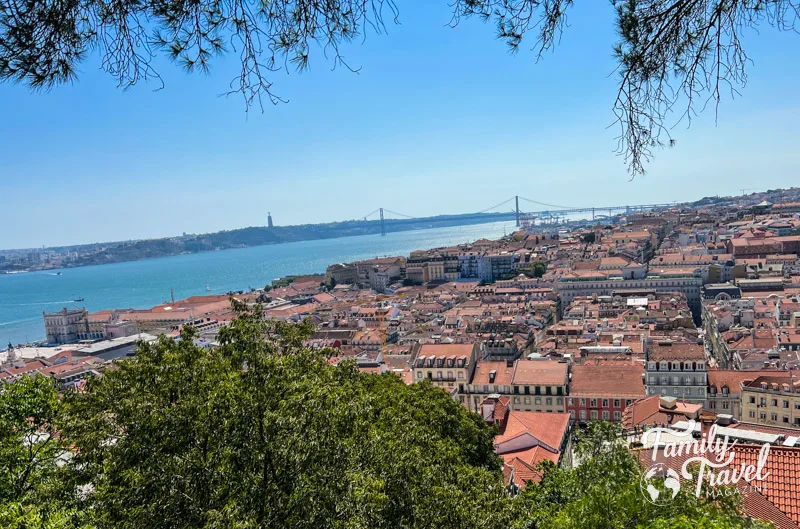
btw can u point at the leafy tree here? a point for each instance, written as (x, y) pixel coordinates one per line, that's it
(30, 452)
(262, 432)
(28, 447)
(535, 269)
(589, 238)
(670, 52)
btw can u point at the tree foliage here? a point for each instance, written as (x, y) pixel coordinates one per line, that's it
(264, 433)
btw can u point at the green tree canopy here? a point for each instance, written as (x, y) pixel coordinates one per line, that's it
(675, 56)
(262, 432)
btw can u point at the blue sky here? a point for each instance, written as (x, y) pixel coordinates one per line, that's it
(438, 120)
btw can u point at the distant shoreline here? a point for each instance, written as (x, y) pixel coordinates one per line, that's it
(121, 252)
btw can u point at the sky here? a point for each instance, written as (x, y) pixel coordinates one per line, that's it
(438, 120)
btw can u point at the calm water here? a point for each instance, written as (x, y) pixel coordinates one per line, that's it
(142, 284)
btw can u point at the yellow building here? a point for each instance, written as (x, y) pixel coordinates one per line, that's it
(772, 400)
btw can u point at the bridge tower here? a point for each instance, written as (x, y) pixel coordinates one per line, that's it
(383, 228)
(516, 198)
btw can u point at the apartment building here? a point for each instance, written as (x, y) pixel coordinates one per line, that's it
(445, 365)
(539, 385)
(601, 392)
(489, 378)
(772, 400)
(675, 369)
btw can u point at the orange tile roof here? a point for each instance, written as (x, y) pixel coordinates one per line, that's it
(503, 375)
(607, 381)
(451, 349)
(675, 351)
(549, 428)
(540, 373)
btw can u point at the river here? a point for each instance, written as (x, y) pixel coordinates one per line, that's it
(142, 284)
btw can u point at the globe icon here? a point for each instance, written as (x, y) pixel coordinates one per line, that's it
(660, 473)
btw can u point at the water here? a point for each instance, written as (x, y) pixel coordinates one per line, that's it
(142, 284)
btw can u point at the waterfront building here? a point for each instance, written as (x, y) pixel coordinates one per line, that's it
(64, 326)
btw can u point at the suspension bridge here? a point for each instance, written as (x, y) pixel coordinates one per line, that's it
(527, 217)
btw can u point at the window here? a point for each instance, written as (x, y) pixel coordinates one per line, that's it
(594, 415)
(549, 401)
(571, 401)
(616, 403)
(725, 404)
(538, 400)
(527, 400)
(786, 404)
(460, 374)
(583, 415)
(774, 402)
(752, 400)
(773, 416)
(617, 415)
(593, 403)
(419, 374)
(786, 419)
(583, 402)
(752, 414)
(628, 402)
(606, 415)
(560, 401)
(516, 400)
(438, 374)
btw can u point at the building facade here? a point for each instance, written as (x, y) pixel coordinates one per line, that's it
(677, 370)
(64, 326)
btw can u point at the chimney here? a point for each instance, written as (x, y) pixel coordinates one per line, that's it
(492, 376)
